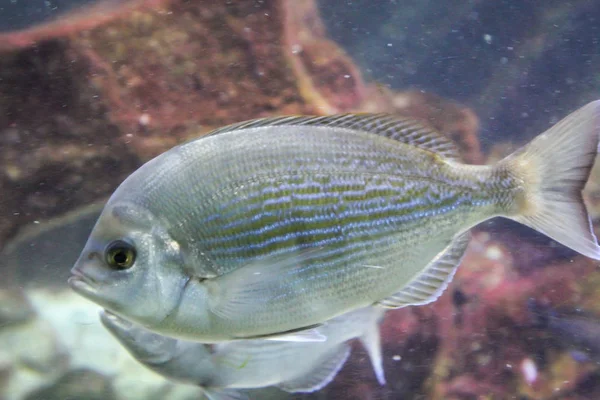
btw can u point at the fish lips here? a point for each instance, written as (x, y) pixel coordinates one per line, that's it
(85, 275)
(81, 283)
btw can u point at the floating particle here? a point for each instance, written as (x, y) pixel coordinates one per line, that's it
(529, 370)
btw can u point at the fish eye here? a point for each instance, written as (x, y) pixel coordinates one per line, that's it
(120, 255)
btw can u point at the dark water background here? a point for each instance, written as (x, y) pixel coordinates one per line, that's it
(509, 60)
(20, 14)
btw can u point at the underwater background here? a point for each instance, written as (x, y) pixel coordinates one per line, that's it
(90, 90)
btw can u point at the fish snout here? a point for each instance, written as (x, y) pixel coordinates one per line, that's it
(87, 273)
(78, 275)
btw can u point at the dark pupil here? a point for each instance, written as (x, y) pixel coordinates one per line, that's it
(120, 257)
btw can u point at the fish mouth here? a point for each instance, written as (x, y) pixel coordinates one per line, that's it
(81, 283)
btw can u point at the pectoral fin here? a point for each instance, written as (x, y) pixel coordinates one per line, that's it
(256, 287)
(323, 373)
(431, 283)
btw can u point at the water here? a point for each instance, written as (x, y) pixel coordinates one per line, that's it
(81, 112)
(20, 14)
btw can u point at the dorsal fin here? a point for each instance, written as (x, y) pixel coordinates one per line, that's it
(405, 130)
(435, 278)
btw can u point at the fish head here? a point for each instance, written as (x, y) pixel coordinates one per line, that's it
(148, 347)
(130, 265)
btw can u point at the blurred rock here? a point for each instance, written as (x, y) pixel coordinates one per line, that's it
(34, 346)
(25, 23)
(79, 384)
(5, 371)
(573, 337)
(54, 115)
(33, 355)
(14, 306)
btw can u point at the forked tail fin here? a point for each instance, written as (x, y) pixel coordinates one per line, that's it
(554, 168)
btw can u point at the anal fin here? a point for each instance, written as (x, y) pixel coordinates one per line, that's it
(324, 372)
(371, 341)
(433, 280)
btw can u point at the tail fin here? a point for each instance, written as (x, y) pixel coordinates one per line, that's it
(554, 168)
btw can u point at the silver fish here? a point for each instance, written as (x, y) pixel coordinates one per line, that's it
(271, 227)
(246, 364)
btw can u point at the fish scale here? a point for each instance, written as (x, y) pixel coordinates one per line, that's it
(244, 199)
(310, 215)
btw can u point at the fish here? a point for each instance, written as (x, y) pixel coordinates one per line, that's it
(269, 228)
(245, 364)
